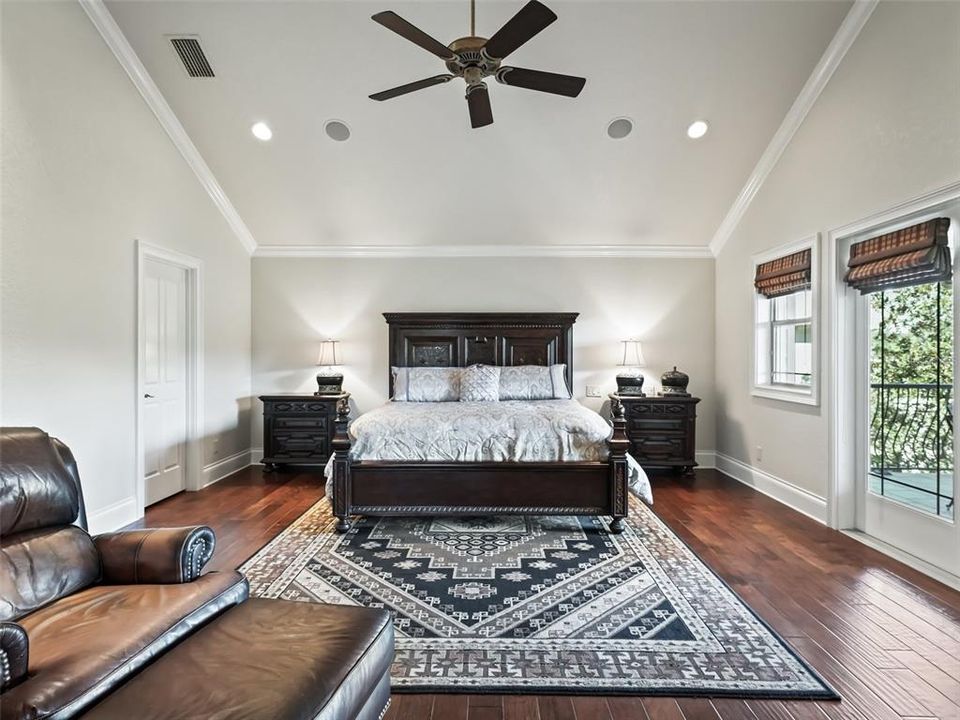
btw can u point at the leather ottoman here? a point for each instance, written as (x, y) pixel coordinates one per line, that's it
(267, 659)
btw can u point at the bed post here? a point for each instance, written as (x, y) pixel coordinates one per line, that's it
(618, 445)
(341, 465)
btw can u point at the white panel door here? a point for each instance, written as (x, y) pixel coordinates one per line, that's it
(164, 379)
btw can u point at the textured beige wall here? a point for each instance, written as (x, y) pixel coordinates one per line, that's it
(668, 303)
(886, 129)
(86, 171)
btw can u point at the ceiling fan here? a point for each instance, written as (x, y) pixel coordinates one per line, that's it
(475, 58)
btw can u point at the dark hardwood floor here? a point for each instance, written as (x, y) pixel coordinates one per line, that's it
(885, 636)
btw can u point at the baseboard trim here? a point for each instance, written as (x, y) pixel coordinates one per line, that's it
(214, 472)
(113, 517)
(706, 459)
(938, 574)
(803, 501)
(256, 456)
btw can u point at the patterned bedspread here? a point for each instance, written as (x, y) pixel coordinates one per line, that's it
(507, 431)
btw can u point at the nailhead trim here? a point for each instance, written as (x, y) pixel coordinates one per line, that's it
(197, 557)
(5, 668)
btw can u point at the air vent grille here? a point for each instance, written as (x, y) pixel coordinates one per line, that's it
(191, 54)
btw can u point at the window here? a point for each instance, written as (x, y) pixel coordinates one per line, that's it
(785, 334)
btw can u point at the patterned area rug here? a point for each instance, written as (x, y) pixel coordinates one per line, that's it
(528, 605)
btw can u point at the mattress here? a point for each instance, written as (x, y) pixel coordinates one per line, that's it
(506, 431)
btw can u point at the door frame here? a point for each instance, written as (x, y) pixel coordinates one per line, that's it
(845, 399)
(193, 455)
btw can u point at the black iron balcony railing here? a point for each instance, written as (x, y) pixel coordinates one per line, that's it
(911, 440)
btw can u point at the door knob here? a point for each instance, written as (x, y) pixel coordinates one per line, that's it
(147, 396)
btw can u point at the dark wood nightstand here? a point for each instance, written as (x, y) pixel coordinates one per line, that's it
(662, 430)
(297, 429)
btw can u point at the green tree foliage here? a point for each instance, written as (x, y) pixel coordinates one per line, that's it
(912, 427)
(910, 335)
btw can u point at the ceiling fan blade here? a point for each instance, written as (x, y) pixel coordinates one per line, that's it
(532, 18)
(555, 83)
(412, 87)
(478, 101)
(401, 27)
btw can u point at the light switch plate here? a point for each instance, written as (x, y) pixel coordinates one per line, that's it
(593, 391)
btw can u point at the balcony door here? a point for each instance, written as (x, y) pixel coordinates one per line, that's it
(908, 496)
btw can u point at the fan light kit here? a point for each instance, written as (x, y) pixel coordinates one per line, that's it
(261, 131)
(697, 129)
(475, 58)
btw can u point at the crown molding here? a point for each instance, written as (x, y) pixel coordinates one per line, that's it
(842, 41)
(477, 251)
(114, 38)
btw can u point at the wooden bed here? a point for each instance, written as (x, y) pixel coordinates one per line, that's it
(479, 488)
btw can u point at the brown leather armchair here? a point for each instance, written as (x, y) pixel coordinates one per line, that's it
(124, 625)
(80, 614)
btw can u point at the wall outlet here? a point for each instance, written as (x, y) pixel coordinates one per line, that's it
(593, 391)
(759, 453)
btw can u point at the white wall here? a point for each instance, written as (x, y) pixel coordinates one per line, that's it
(886, 129)
(667, 302)
(86, 171)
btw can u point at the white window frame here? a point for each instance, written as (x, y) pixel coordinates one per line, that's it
(796, 394)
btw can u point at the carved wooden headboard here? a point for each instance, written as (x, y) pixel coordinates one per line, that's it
(461, 339)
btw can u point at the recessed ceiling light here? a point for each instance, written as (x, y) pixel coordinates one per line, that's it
(261, 131)
(619, 128)
(337, 130)
(697, 129)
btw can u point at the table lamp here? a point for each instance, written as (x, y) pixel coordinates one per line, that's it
(329, 380)
(630, 378)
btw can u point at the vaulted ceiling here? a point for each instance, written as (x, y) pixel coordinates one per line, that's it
(545, 173)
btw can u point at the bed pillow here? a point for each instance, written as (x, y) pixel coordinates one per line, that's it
(426, 384)
(534, 382)
(480, 383)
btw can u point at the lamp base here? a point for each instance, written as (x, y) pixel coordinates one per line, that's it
(329, 385)
(631, 385)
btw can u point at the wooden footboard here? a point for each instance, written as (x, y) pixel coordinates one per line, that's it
(479, 488)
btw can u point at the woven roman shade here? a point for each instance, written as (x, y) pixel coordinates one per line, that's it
(912, 256)
(785, 275)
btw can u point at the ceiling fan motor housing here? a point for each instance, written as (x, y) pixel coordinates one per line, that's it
(471, 63)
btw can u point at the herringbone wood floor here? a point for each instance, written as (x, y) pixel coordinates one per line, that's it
(885, 636)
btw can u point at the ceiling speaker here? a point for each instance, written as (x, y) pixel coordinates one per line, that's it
(337, 130)
(620, 128)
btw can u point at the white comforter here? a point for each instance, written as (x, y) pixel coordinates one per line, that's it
(506, 431)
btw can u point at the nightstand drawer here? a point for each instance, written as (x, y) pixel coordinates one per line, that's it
(653, 447)
(656, 425)
(276, 407)
(300, 423)
(301, 445)
(658, 409)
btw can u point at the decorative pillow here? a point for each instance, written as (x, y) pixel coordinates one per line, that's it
(534, 382)
(480, 383)
(426, 384)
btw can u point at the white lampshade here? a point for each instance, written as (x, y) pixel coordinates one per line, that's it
(329, 354)
(632, 354)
